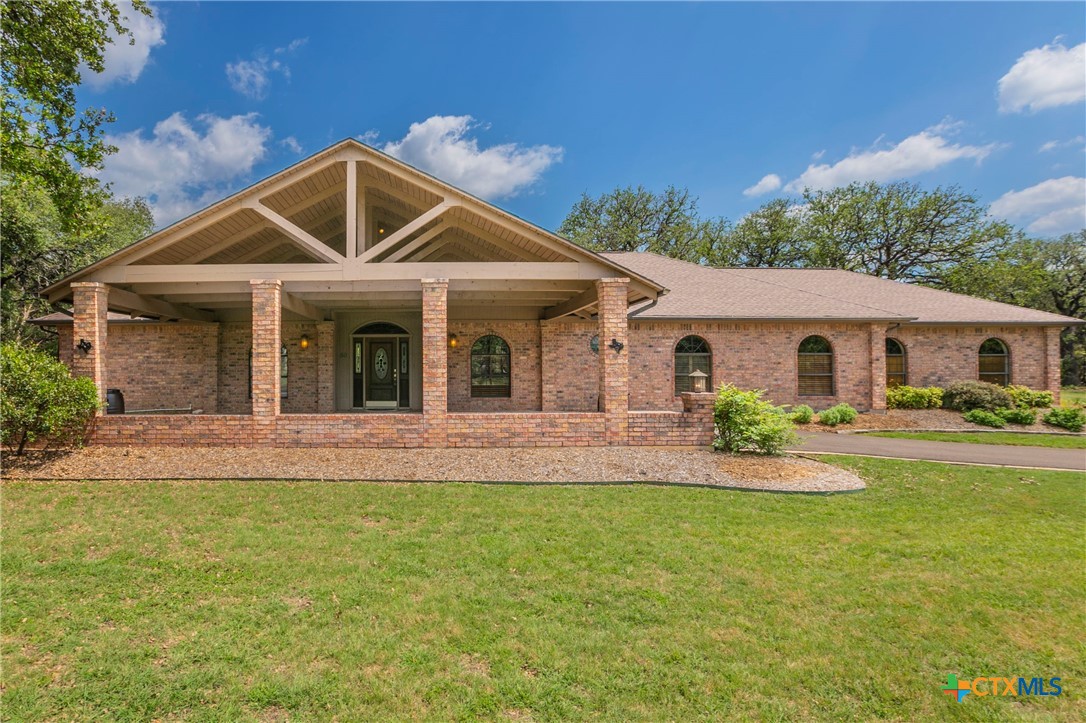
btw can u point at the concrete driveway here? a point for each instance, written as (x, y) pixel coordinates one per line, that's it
(987, 454)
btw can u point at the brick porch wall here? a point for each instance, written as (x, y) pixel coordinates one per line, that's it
(570, 370)
(523, 338)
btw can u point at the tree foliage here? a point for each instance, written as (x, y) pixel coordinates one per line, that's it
(46, 138)
(36, 249)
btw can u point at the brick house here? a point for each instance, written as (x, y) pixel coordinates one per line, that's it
(352, 300)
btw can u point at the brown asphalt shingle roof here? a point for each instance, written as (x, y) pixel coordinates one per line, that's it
(810, 294)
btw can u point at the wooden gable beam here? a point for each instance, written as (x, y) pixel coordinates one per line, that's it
(304, 239)
(122, 300)
(301, 307)
(389, 243)
(577, 304)
(430, 250)
(493, 240)
(418, 243)
(352, 209)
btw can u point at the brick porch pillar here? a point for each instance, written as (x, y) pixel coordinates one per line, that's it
(90, 302)
(1053, 370)
(267, 342)
(435, 361)
(614, 365)
(878, 368)
(326, 367)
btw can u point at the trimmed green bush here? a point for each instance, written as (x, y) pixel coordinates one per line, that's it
(1017, 416)
(1025, 398)
(40, 401)
(1073, 419)
(802, 414)
(904, 397)
(964, 396)
(747, 423)
(984, 417)
(838, 414)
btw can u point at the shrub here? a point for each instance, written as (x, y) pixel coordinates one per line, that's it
(1017, 416)
(802, 414)
(983, 417)
(839, 414)
(41, 401)
(964, 396)
(904, 397)
(744, 421)
(1025, 398)
(1072, 419)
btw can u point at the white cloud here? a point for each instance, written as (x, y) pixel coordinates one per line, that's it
(769, 182)
(125, 58)
(1044, 77)
(252, 77)
(1055, 145)
(181, 167)
(291, 144)
(817, 155)
(1050, 208)
(440, 145)
(369, 137)
(919, 153)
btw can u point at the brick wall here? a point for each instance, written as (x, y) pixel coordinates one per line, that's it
(570, 370)
(164, 366)
(751, 356)
(940, 355)
(523, 338)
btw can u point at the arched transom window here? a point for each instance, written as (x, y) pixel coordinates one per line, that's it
(995, 362)
(490, 369)
(692, 353)
(895, 363)
(815, 367)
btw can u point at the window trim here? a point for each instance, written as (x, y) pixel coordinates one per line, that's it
(904, 362)
(1006, 356)
(474, 390)
(832, 354)
(675, 354)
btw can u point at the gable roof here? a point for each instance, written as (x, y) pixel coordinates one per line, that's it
(349, 149)
(701, 292)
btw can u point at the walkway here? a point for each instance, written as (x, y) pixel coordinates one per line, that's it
(962, 453)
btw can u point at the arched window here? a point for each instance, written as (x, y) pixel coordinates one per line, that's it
(692, 352)
(895, 363)
(995, 362)
(815, 367)
(490, 367)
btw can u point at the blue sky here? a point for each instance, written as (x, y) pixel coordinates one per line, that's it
(529, 105)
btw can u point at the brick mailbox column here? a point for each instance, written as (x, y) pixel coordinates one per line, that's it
(878, 368)
(614, 363)
(1052, 361)
(90, 302)
(267, 343)
(435, 361)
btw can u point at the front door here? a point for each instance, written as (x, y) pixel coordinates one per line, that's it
(382, 374)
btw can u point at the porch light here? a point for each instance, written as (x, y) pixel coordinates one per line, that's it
(453, 341)
(84, 346)
(304, 342)
(697, 380)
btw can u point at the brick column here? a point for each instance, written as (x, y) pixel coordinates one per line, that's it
(435, 361)
(326, 367)
(1053, 370)
(267, 342)
(614, 365)
(878, 368)
(90, 302)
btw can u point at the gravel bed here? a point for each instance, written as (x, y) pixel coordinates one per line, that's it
(539, 465)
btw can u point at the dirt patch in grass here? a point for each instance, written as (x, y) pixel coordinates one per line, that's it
(557, 465)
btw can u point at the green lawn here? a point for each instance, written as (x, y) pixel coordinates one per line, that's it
(1072, 395)
(1015, 439)
(358, 601)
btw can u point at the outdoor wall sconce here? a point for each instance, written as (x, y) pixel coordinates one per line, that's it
(697, 380)
(453, 341)
(304, 342)
(616, 345)
(84, 346)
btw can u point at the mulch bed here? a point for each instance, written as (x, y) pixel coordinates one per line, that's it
(530, 465)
